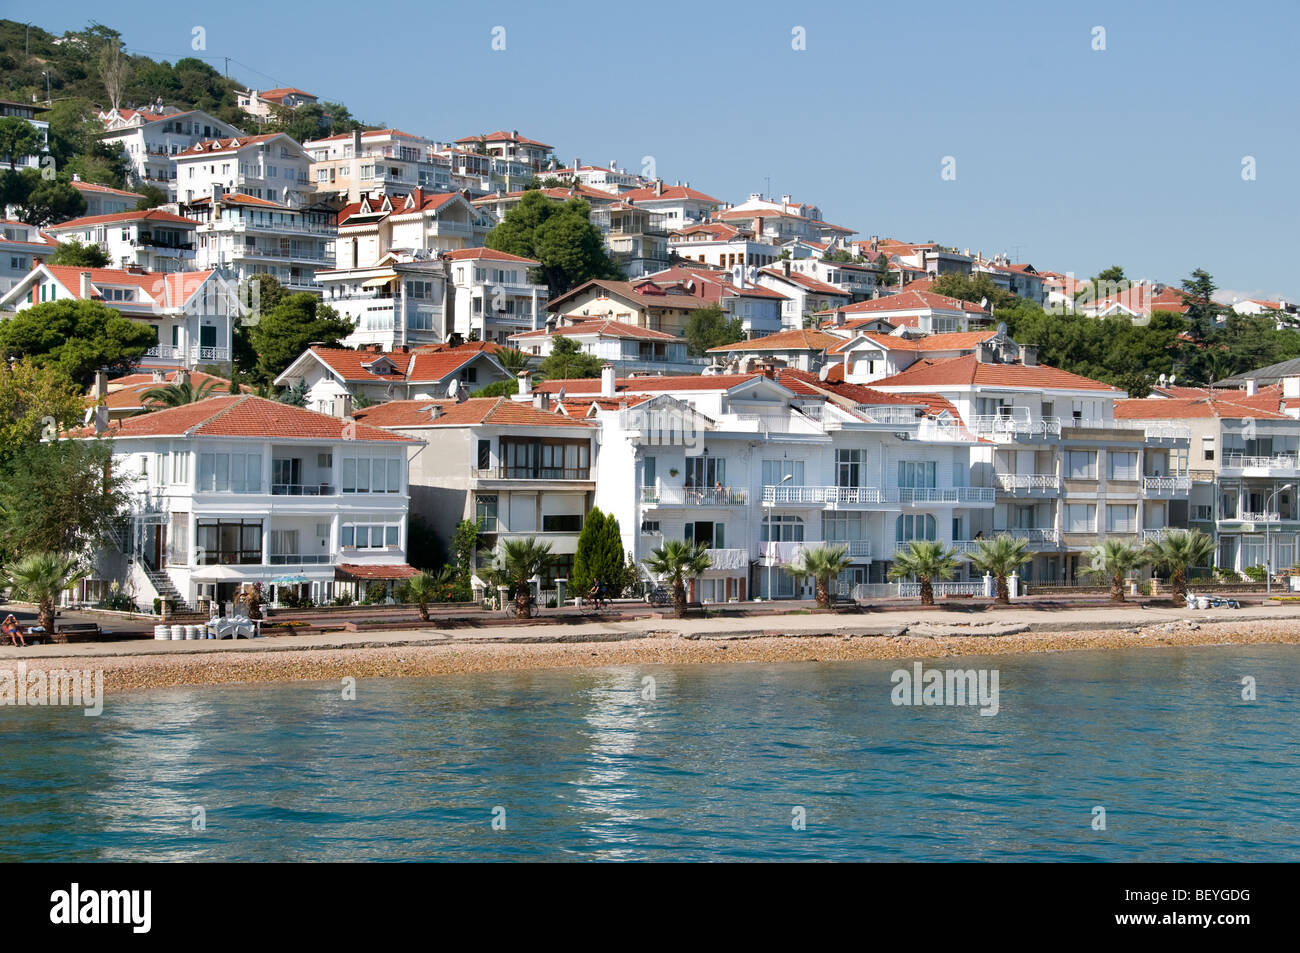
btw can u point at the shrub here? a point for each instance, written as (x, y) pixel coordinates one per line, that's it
(1256, 573)
(343, 599)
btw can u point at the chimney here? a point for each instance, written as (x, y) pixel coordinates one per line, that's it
(157, 376)
(785, 266)
(839, 317)
(542, 400)
(984, 352)
(343, 406)
(100, 390)
(613, 165)
(608, 382)
(659, 186)
(1252, 387)
(101, 418)
(85, 286)
(1029, 355)
(525, 383)
(435, 411)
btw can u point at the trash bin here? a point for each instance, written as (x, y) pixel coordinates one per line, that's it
(193, 632)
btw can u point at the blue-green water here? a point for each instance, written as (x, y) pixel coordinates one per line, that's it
(713, 767)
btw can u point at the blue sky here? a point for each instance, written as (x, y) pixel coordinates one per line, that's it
(1068, 157)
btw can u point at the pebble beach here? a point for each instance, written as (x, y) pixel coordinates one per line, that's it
(128, 673)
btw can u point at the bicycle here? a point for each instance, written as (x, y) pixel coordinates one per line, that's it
(658, 596)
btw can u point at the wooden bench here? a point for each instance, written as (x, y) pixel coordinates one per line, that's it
(76, 631)
(36, 638)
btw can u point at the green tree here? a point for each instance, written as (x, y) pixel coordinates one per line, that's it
(1198, 293)
(502, 388)
(466, 544)
(1176, 552)
(559, 235)
(1114, 559)
(48, 201)
(513, 360)
(567, 360)
(40, 578)
(1000, 557)
(423, 589)
(709, 327)
(823, 563)
(974, 288)
(599, 555)
(31, 399)
(178, 395)
(77, 337)
(286, 330)
(677, 560)
(150, 197)
(928, 561)
(295, 395)
(58, 497)
(72, 252)
(18, 140)
(518, 562)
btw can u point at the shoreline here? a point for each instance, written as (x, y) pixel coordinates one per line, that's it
(142, 672)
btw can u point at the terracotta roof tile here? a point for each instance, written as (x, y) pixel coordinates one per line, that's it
(966, 370)
(497, 411)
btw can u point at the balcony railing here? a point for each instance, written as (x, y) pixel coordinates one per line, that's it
(1154, 535)
(819, 495)
(1249, 517)
(1159, 431)
(533, 473)
(1009, 427)
(945, 494)
(1034, 537)
(1163, 486)
(780, 553)
(1277, 461)
(728, 559)
(203, 352)
(301, 489)
(300, 559)
(1028, 482)
(913, 589)
(688, 496)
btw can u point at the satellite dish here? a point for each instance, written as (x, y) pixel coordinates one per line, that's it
(1002, 329)
(560, 395)
(453, 388)
(824, 373)
(90, 415)
(984, 303)
(1172, 378)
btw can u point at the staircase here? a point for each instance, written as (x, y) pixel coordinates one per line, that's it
(167, 591)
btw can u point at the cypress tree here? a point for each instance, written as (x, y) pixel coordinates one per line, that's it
(586, 561)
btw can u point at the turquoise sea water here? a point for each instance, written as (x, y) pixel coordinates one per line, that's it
(579, 765)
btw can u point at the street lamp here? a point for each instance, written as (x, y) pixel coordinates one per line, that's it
(772, 554)
(1268, 545)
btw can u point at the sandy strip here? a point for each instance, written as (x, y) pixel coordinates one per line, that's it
(133, 673)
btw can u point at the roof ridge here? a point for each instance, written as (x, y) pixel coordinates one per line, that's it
(239, 399)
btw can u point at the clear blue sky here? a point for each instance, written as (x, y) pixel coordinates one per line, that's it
(1070, 158)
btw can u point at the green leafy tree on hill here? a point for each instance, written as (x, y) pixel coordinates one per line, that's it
(560, 236)
(76, 337)
(709, 327)
(18, 140)
(286, 330)
(72, 252)
(567, 360)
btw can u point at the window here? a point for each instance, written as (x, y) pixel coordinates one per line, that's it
(533, 458)
(225, 542)
(774, 471)
(1081, 464)
(564, 523)
(1203, 513)
(781, 529)
(916, 473)
(484, 458)
(230, 472)
(841, 527)
(180, 467)
(1121, 518)
(1207, 448)
(849, 466)
(651, 527)
(284, 542)
(1080, 518)
(705, 472)
(372, 475)
(711, 534)
(1123, 465)
(485, 509)
(369, 535)
(920, 526)
(648, 472)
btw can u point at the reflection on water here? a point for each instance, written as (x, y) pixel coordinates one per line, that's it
(585, 766)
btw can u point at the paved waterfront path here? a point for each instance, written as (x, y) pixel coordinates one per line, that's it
(923, 623)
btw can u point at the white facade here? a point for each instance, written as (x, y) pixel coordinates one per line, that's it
(272, 167)
(154, 240)
(493, 297)
(152, 140)
(255, 237)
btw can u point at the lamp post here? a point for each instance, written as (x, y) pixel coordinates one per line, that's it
(772, 555)
(1268, 543)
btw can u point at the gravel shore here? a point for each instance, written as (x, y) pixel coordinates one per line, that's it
(137, 672)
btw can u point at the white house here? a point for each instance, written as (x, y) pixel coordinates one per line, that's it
(151, 139)
(191, 312)
(272, 167)
(22, 247)
(493, 297)
(237, 490)
(155, 240)
(629, 349)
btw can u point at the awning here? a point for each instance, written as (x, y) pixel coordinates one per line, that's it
(378, 282)
(219, 573)
(353, 571)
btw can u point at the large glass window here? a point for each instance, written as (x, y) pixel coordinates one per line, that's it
(1081, 464)
(1080, 518)
(842, 527)
(485, 509)
(704, 473)
(916, 473)
(372, 475)
(228, 542)
(849, 467)
(230, 472)
(779, 528)
(369, 535)
(774, 471)
(915, 526)
(1123, 465)
(1121, 518)
(531, 458)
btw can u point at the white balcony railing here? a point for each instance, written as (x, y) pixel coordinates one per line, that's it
(1162, 431)
(1035, 537)
(995, 425)
(1248, 517)
(945, 494)
(1154, 535)
(1277, 461)
(728, 559)
(820, 495)
(1029, 482)
(1166, 486)
(913, 589)
(687, 496)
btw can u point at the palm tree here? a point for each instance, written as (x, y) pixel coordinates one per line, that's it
(1175, 553)
(513, 360)
(823, 563)
(40, 578)
(927, 561)
(679, 560)
(520, 560)
(179, 394)
(1114, 559)
(1000, 557)
(425, 588)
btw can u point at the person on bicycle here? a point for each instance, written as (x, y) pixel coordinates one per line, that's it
(596, 591)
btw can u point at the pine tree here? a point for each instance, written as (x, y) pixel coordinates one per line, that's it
(611, 557)
(587, 559)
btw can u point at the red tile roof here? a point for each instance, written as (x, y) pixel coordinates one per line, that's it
(603, 327)
(502, 136)
(93, 187)
(150, 215)
(796, 340)
(465, 254)
(128, 392)
(275, 95)
(425, 365)
(1184, 408)
(806, 281)
(669, 192)
(497, 411)
(174, 288)
(243, 416)
(966, 370)
(914, 301)
(646, 385)
(228, 144)
(379, 571)
(930, 343)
